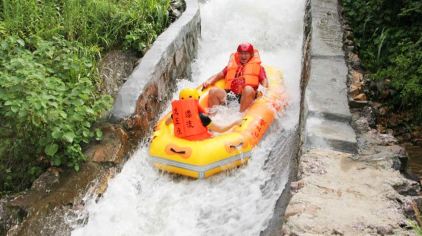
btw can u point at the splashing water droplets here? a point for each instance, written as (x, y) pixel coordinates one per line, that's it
(143, 201)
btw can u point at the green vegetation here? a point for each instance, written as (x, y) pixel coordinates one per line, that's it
(416, 228)
(388, 34)
(49, 97)
(101, 23)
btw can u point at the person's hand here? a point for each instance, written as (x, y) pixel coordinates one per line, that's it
(168, 120)
(264, 83)
(206, 84)
(262, 91)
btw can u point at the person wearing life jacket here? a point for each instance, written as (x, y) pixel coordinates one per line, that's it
(242, 76)
(190, 119)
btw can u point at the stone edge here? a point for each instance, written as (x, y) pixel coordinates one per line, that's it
(150, 65)
(337, 145)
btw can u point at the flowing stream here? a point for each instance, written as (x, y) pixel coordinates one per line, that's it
(143, 201)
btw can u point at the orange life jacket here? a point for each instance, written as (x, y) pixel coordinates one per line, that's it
(187, 123)
(249, 71)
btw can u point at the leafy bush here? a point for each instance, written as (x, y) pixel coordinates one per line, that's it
(48, 77)
(47, 105)
(389, 39)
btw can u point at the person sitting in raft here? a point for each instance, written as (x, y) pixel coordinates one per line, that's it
(242, 76)
(189, 118)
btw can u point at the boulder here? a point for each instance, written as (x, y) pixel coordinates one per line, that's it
(112, 148)
(354, 90)
(357, 77)
(354, 60)
(46, 181)
(360, 97)
(10, 215)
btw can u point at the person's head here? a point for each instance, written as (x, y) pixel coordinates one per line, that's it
(245, 51)
(188, 93)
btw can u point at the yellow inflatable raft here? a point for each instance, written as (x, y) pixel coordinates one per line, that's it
(201, 159)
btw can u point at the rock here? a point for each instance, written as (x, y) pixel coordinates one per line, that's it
(360, 97)
(287, 232)
(362, 125)
(417, 141)
(387, 139)
(399, 164)
(393, 121)
(408, 209)
(384, 230)
(347, 28)
(50, 209)
(114, 69)
(406, 137)
(313, 167)
(357, 104)
(401, 130)
(418, 203)
(380, 128)
(380, 150)
(348, 42)
(354, 90)
(408, 188)
(10, 215)
(45, 182)
(112, 148)
(295, 186)
(399, 151)
(176, 13)
(136, 122)
(357, 77)
(357, 84)
(103, 181)
(417, 138)
(293, 209)
(381, 139)
(370, 115)
(178, 4)
(354, 60)
(383, 110)
(376, 105)
(3, 229)
(337, 232)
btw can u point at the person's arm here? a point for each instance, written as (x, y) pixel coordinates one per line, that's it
(264, 82)
(263, 77)
(213, 79)
(169, 120)
(219, 128)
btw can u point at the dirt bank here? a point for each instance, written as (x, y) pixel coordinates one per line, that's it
(344, 194)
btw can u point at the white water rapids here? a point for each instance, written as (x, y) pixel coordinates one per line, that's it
(142, 201)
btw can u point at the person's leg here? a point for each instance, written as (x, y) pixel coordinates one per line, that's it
(248, 96)
(216, 96)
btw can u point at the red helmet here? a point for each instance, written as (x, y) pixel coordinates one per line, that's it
(245, 47)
